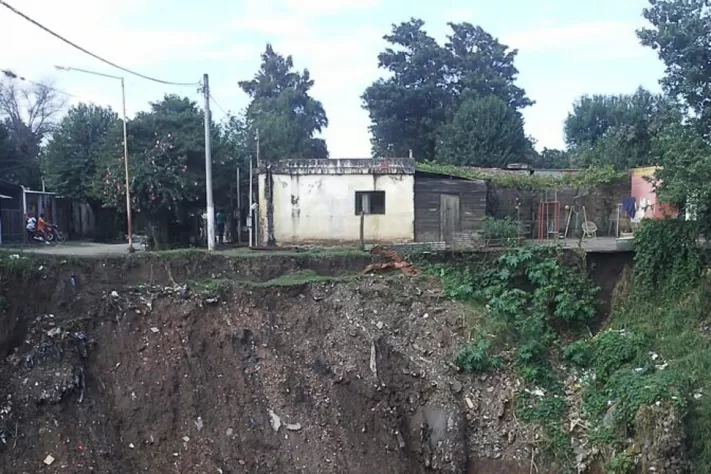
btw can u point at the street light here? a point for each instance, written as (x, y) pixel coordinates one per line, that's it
(125, 145)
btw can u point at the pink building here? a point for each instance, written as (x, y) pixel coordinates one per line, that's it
(644, 192)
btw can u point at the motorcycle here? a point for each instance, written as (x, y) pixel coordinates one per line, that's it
(53, 234)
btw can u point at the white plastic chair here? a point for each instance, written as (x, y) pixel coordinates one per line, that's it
(589, 229)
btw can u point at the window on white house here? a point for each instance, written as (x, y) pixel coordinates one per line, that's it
(369, 202)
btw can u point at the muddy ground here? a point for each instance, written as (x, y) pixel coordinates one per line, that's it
(124, 369)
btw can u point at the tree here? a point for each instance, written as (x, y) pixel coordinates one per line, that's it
(481, 65)
(407, 109)
(618, 130)
(167, 169)
(428, 83)
(685, 173)
(29, 114)
(551, 158)
(681, 35)
(282, 110)
(484, 132)
(87, 139)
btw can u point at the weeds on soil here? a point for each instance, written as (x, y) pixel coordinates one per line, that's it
(530, 299)
(655, 349)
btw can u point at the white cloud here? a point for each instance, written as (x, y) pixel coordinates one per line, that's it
(608, 35)
(329, 7)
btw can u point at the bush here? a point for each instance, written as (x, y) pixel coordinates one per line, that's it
(474, 356)
(503, 232)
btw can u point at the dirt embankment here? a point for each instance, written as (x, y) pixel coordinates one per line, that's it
(125, 370)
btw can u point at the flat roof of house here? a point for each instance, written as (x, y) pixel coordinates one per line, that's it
(338, 166)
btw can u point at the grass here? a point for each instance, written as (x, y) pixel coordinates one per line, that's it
(672, 329)
(244, 252)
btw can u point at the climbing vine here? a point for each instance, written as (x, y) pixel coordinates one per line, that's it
(668, 257)
(586, 178)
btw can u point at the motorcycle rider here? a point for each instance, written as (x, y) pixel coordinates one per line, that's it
(31, 226)
(42, 226)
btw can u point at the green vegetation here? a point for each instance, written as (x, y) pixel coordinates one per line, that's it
(244, 252)
(535, 311)
(585, 178)
(298, 278)
(531, 299)
(500, 232)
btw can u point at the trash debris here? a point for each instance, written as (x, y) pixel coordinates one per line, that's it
(155, 330)
(274, 420)
(379, 325)
(48, 460)
(79, 382)
(373, 363)
(186, 438)
(130, 445)
(114, 294)
(396, 262)
(293, 426)
(199, 424)
(54, 332)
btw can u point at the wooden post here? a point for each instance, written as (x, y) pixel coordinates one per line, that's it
(362, 230)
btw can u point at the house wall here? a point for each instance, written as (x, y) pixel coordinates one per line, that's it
(472, 203)
(642, 184)
(320, 208)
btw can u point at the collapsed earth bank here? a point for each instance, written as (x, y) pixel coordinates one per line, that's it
(148, 366)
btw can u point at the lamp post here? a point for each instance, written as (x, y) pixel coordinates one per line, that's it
(129, 223)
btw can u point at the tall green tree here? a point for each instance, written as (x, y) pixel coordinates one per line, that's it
(680, 32)
(87, 137)
(167, 168)
(283, 111)
(618, 130)
(429, 82)
(84, 142)
(484, 132)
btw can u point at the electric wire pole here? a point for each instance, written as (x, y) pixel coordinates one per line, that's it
(208, 167)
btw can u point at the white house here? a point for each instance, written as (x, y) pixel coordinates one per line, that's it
(320, 201)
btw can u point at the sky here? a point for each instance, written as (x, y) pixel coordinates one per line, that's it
(567, 48)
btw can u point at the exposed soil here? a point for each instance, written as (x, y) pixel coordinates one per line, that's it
(127, 370)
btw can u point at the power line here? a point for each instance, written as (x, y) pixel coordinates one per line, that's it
(12, 75)
(83, 50)
(218, 105)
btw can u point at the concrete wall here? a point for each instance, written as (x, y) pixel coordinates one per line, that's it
(320, 208)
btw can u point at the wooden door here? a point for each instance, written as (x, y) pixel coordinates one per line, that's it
(448, 217)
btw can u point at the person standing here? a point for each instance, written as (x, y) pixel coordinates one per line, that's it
(220, 223)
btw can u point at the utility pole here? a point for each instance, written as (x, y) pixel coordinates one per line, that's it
(129, 221)
(239, 209)
(208, 167)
